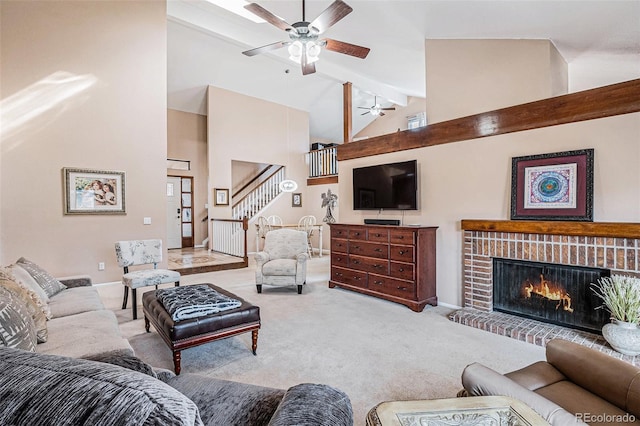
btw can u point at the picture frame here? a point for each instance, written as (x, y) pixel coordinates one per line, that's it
(296, 199)
(221, 196)
(88, 191)
(554, 186)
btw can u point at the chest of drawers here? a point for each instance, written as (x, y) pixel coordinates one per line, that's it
(395, 263)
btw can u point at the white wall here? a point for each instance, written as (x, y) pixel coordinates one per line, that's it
(466, 77)
(472, 180)
(244, 128)
(108, 112)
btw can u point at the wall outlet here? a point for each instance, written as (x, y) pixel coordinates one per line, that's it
(101, 266)
(146, 221)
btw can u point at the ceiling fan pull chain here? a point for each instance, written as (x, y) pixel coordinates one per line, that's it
(303, 19)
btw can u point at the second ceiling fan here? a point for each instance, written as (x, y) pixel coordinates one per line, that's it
(304, 43)
(376, 109)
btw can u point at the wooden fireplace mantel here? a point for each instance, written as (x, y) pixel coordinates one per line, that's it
(586, 229)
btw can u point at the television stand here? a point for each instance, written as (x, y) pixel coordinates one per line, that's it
(393, 263)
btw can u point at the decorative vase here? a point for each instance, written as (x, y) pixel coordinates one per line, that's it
(624, 337)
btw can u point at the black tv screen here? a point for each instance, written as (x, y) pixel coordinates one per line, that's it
(386, 186)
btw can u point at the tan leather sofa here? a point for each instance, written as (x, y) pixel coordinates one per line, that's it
(576, 385)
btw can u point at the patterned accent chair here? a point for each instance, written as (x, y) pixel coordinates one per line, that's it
(142, 252)
(283, 261)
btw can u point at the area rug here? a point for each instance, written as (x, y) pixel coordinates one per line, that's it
(372, 349)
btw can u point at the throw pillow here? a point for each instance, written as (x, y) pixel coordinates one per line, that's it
(40, 389)
(49, 284)
(16, 325)
(30, 301)
(24, 280)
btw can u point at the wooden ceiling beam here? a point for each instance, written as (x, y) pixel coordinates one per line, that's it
(616, 99)
(347, 102)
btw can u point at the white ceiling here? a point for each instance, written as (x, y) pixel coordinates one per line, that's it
(205, 44)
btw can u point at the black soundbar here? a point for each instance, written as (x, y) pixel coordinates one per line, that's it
(382, 222)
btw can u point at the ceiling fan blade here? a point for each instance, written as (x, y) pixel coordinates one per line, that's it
(267, 48)
(307, 67)
(346, 48)
(263, 13)
(365, 113)
(382, 113)
(364, 107)
(335, 12)
(388, 109)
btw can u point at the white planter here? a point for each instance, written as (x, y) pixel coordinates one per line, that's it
(624, 337)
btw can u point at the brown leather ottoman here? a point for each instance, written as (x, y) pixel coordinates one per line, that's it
(197, 331)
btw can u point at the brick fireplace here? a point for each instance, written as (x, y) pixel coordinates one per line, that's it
(612, 246)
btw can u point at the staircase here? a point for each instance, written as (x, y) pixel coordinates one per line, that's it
(257, 199)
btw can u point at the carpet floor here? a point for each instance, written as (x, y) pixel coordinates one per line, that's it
(371, 349)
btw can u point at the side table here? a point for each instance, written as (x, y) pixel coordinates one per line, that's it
(477, 410)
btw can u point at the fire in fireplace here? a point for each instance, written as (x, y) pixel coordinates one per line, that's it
(557, 294)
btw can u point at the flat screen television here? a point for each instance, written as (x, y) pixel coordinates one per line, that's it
(386, 186)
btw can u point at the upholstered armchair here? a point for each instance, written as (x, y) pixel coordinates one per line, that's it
(283, 261)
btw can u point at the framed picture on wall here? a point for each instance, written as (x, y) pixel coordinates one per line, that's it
(93, 191)
(296, 199)
(221, 197)
(555, 186)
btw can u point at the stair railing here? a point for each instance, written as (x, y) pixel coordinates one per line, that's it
(256, 200)
(229, 236)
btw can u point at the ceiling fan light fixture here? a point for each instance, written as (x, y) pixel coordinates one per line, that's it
(375, 110)
(312, 49)
(295, 51)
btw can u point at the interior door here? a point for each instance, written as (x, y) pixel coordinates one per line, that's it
(174, 213)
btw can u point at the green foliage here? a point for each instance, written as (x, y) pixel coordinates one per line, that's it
(620, 296)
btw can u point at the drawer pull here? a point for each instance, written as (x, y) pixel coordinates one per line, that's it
(400, 269)
(357, 278)
(379, 250)
(338, 274)
(356, 247)
(378, 282)
(355, 262)
(378, 235)
(377, 266)
(402, 288)
(400, 237)
(402, 252)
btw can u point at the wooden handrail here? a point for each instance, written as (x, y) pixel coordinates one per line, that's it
(246, 185)
(616, 99)
(269, 177)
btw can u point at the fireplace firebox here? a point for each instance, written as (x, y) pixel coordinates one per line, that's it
(553, 293)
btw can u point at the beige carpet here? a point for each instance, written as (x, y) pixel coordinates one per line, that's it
(372, 349)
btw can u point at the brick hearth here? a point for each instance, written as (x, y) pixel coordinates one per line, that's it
(606, 245)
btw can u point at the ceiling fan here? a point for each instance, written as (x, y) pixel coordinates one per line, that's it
(376, 109)
(304, 45)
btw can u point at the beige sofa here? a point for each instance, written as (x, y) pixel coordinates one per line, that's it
(86, 373)
(576, 385)
(80, 326)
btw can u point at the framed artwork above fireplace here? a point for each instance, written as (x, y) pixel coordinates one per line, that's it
(554, 186)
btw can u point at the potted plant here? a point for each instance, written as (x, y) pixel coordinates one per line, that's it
(620, 295)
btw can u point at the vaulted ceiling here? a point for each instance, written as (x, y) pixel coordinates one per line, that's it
(599, 39)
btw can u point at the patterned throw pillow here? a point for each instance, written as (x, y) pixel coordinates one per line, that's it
(30, 300)
(16, 325)
(24, 280)
(49, 284)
